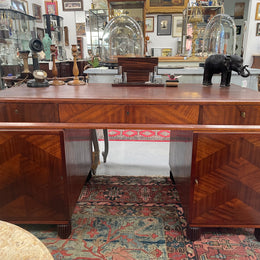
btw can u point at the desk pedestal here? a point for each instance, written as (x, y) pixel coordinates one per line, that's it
(42, 175)
(217, 177)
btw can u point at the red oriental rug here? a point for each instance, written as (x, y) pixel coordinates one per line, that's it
(139, 218)
(135, 135)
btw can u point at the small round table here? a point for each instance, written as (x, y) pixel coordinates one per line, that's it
(17, 243)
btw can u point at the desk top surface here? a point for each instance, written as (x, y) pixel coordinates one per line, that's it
(191, 93)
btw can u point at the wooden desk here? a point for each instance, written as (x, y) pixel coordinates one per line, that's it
(214, 151)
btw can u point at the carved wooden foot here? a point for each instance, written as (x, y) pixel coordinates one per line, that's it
(64, 230)
(193, 233)
(171, 177)
(257, 234)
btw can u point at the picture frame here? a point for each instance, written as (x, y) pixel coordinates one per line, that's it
(166, 52)
(258, 29)
(177, 25)
(51, 7)
(40, 33)
(72, 5)
(239, 10)
(238, 29)
(164, 24)
(257, 12)
(165, 6)
(20, 5)
(80, 29)
(37, 12)
(149, 24)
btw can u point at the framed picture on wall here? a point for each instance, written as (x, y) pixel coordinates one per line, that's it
(164, 24)
(257, 13)
(40, 33)
(177, 26)
(37, 12)
(149, 23)
(51, 7)
(165, 6)
(72, 5)
(238, 28)
(239, 10)
(258, 29)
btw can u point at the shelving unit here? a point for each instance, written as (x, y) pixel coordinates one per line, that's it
(96, 20)
(16, 31)
(53, 25)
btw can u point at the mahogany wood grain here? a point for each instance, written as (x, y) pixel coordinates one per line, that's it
(214, 153)
(42, 174)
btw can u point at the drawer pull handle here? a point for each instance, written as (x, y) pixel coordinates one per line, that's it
(243, 114)
(196, 181)
(16, 111)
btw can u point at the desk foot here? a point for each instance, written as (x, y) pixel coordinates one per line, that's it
(193, 233)
(257, 234)
(64, 230)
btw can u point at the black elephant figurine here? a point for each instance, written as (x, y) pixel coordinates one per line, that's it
(224, 64)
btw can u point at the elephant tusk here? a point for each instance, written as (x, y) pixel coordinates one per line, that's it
(245, 72)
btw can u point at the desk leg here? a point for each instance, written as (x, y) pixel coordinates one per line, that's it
(257, 234)
(104, 154)
(95, 153)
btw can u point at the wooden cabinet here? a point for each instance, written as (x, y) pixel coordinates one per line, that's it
(40, 180)
(217, 177)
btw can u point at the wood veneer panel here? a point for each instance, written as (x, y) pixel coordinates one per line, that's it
(21, 112)
(33, 176)
(163, 114)
(92, 113)
(231, 115)
(227, 173)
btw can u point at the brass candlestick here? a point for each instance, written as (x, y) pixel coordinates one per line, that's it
(76, 80)
(55, 81)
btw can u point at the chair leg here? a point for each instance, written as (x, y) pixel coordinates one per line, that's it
(105, 153)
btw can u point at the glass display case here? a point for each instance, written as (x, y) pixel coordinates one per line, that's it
(220, 35)
(131, 8)
(53, 25)
(96, 20)
(122, 37)
(195, 20)
(16, 31)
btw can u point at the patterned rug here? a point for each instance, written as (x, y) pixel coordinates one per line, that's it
(135, 135)
(139, 218)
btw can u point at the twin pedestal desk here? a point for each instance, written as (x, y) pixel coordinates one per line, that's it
(214, 157)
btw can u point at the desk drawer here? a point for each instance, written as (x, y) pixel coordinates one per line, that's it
(21, 112)
(231, 115)
(92, 113)
(163, 114)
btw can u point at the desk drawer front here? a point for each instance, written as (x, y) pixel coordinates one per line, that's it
(21, 112)
(163, 114)
(92, 113)
(231, 115)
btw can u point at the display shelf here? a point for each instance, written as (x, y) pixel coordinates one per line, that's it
(16, 31)
(53, 25)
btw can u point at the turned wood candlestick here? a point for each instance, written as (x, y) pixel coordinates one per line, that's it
(55, 81)
(76, 80)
